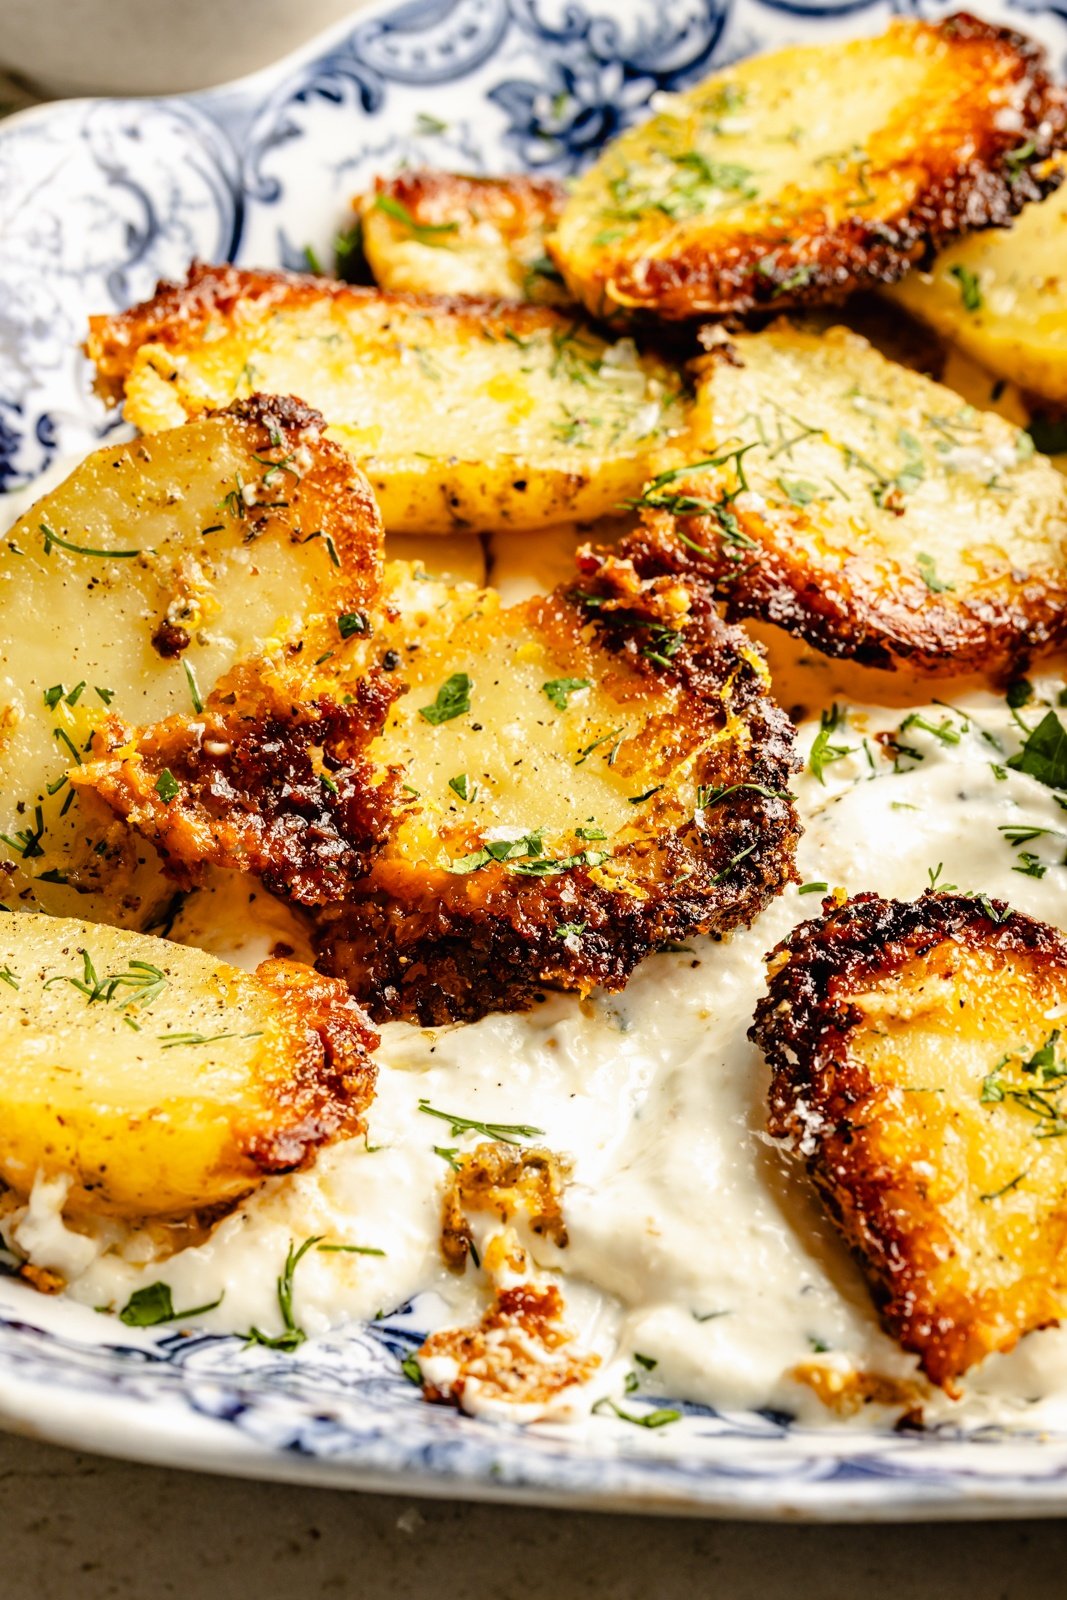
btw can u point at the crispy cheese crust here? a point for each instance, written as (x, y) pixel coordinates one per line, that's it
(427, 232)
(919, 1071)
(797, 177)
(865, 508)
(464, 413)
(624, 784)
(158, 1080)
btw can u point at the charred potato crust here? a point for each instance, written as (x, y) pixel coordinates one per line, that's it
(255, 783)
(428, 232)
(418, 941)
(865, 509)
(917, 1068)
(868, 200)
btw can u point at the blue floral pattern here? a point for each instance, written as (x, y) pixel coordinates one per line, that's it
(97, 200)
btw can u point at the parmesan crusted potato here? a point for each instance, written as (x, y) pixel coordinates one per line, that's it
(587, 775)
(865, 508)
(556, 788)
(159, 1080)
(444, 233)
(1002, 296)
(134, 586)
(920, 1071)
(796, 177)
(470, 414)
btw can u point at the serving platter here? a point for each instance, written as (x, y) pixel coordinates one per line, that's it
(100, 198)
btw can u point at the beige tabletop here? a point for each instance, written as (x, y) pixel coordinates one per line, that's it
(77, 1527)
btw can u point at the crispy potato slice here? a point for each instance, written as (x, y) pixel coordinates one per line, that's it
(865, 508)
(463, 413)
(919, 1069)
(564, 785)
(610, 775)
(1002, 296)
(427, 232)
(796, 177)
(160, 1080)
(131, 588)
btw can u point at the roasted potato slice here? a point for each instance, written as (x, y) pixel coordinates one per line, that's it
(1002, 296)
(589, 775)
(797, 177)
(160, 1080)
(463, 413)
(427, 232)
(575, 779)
(920, 1072)
(865, 508)
(130, 589)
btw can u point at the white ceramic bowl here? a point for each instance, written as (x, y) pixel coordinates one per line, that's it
(134, 47)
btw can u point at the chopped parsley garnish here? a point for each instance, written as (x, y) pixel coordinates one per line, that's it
(194, 687)
(559, 690)
(933, 875)
(1041, 1098)
(411, 1370)
(448, 1153)
(350, 1250)
(452, 700)
(351, 622)
(928, 574)
(644, 1419)
(139, 985)
(823, 753)
(167, 786)
(9, 976)
(432, 233)
(815, 887)
(171, 1041)
(1044, 753)
(148, 1307)
(503, 1132)
(564, 930)
(799, 490)
(709, 796)
(1019, 693)
(638, 799)
(293, 1337)
(463, 786)
(969, 285)
(51, 538)
(26, 842)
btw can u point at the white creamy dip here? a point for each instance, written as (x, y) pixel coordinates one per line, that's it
(697, 1251)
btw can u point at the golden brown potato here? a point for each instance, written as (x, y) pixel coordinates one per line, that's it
(920, 1072)
(608, 774)
(576, 780)
(130, 589)
(865, 508)
(799, 176)
(159, 1080)
(1002, 296)
(464, 413)
(427, 232)
(503, 1180)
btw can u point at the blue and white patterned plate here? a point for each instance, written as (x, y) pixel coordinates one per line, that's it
(98, 199)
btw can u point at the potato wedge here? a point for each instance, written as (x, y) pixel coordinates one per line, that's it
(468, 414)
(920, 1072)
(797, 177)
(1002, 296)
(134, 586)
(865, 508)
(427, 232)
(160, 1080)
